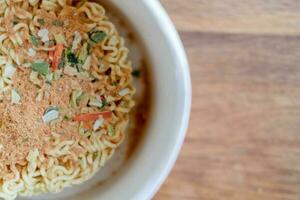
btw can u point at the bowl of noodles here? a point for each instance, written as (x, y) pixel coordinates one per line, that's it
(94, 99)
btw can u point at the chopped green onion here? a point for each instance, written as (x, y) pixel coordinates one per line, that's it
(60, 39)
(62, 62)
(41, 22)
(34, 40)
(95, 102)
(101, 63)
(136, 73)
(111, 130)
(85, 76)
(49, 78)
(56, 75)
(15, 97)
(83, 53)
(39, 96)
(57, 22)
(79, 67)
(81, 128)
(97, 36)
(87, 63)
(71, 71)
(50, 114)
(75, 97)
(41, 67)
(34, 78)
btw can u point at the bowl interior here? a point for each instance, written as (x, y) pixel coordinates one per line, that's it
(142, 174)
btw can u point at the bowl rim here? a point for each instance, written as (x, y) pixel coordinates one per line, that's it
(173, 40)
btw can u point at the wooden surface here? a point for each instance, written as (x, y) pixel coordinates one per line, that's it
(244, 136)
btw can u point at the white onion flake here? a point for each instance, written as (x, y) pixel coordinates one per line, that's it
(51, 114)
(98, 123)
(124, 92)
(15, 97)
(43, 34)
(76, 41)
(9, 70)
(31, 52)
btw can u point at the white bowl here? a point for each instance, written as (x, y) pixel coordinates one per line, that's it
(142, 176)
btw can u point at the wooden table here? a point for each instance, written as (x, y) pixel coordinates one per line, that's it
(244, 135)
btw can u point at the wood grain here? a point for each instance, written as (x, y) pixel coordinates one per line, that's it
(238, 16)
(243, 141)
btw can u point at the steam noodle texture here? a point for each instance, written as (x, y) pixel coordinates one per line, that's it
(65, 94)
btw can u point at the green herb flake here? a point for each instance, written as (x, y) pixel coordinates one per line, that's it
(51, 138)
(75, 98)
(89, 47)
(41, 22)
(71, 57)
(104, 103)
(83, 53)
(57, 22)
(111, 131)
(67, 118)
(60, 39)
(81, 129)
(25, 140)
(71, 71)
(41, 67)
(97, 36)
(34, 40)
(95, 154)
(62, 61)
(136, 73)
(57, 75)
(114, 83)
